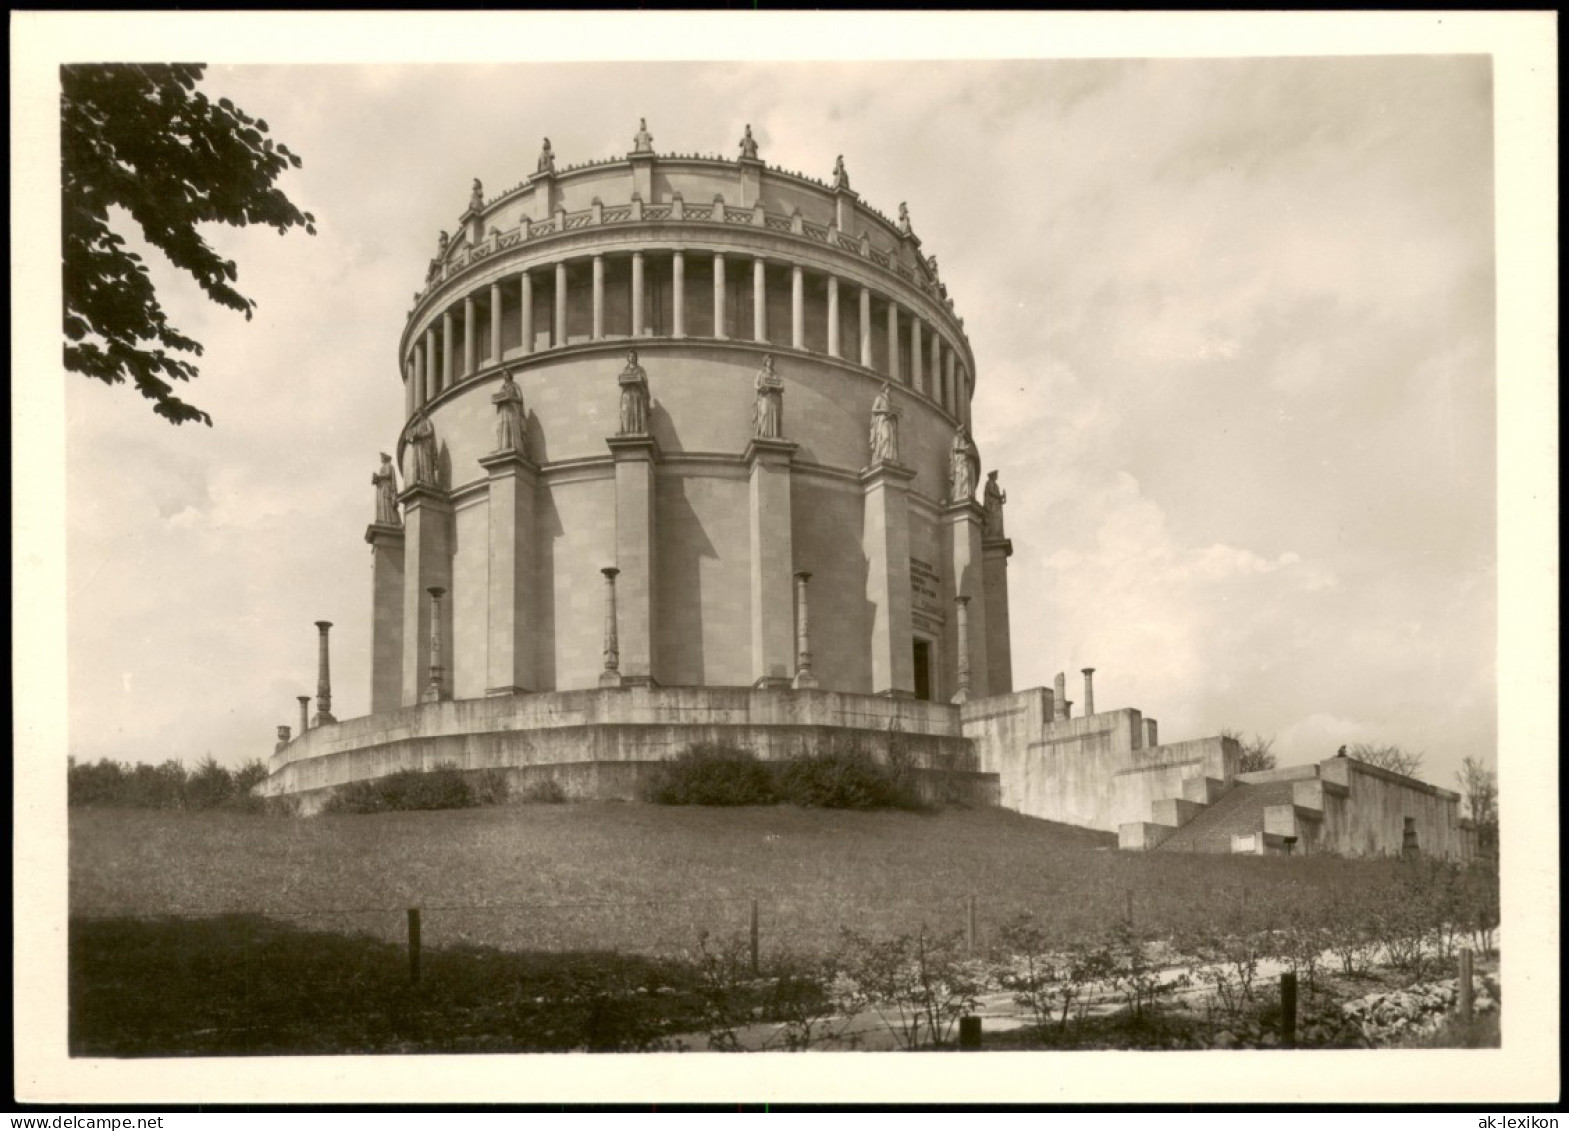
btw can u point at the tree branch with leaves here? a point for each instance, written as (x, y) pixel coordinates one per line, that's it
(143, 139)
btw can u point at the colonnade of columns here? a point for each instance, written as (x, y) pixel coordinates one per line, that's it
(916, 353)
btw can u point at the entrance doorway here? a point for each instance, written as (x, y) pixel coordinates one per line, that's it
(923, 669)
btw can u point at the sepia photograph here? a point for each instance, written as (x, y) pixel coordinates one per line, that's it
(567, 545)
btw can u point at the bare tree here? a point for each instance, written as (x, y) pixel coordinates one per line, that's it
(1479, 785)
(1389, 757)
(1258, 752)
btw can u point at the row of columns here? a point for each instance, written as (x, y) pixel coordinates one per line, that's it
(432, 367)
(324, 713)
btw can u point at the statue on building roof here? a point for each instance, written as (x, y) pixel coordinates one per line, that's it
(964, 465)
(385, 480)
(634, 398)
(476, 196)
(994, 498)
(931, 263)
(443, 241)
(904, 218)
(423, 470)
(884, 437)
(768, 410)
(642, 141)
(841, 178)
(748, 145)
(508, 400)
(547, 159)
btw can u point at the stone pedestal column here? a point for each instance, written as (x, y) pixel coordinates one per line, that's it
(1089, 691)
(833, 316)
(386, 617)
(436, 683)
(759, 300)
(939, 391)
(323, 676)
(283, 739)
(961, 605)
(431, 367)
(797, 307)
(1151, 734)
(962, 523)
(999, 643)
(558, 334)
(893, 340)
(678, 295)
(409, 395)
(719, 296)
(636, 458)
(637, 295)
(449, 352)
(526, 314)
(772, 556)
(599, 297)
(512, 618)
(804, 679)
(427, 562)
(885, 539)
(917, 381)
(866, 327)
(610, 674)
(305, 712)
(495, 323)
(1059, 699)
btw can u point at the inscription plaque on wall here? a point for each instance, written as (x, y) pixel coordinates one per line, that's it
(925, 596)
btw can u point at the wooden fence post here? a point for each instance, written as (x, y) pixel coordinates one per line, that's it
(1464, 987)
(754, 937)
(414, 946)
(969, 1034)
(969, 926)
(1288, 1010)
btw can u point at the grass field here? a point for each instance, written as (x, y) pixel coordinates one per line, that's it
(648, 879)
(564, 926)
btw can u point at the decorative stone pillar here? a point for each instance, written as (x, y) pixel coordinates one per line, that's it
(636, 459)
(917, 379)
(962, 622)
(678, 295)
(804, 679)
(323, 676)
(449, 351)
(833, 316)
(1151, 734)
(409, 394)
(637, 295)
(797, 307)
(771, 553)
(511, 600)
(526, 313)
(495, 323)
(305, 712)
(759, 300)
(427, 562)
(599, 297)
(1067, 709)
(386, 622)
(995, 553)
(893, 340)
(419, 374)
(719, 296)
(935, 369)
(948, 378)
(885, 540)
(558, 336)
(283, 739)
(436, 686)
(962, 525)
(610, 676)
(432, 366)
(1089, 691)
(1059, 699)
(866, 327)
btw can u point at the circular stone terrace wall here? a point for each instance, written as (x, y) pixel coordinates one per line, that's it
(609, 744)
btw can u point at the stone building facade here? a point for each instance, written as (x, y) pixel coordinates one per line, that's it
(705, 268)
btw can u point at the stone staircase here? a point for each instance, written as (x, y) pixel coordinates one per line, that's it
(1281, 815)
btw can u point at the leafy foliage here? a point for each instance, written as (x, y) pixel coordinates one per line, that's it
(1479, 785)
(143, 139)
(1258, 752)
(840, 775)
(918, 985)
(715, 773)
(441, 788)
(114, 785)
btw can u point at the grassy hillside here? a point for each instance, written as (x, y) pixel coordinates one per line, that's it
(649, 879)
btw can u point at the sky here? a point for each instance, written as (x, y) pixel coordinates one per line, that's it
(1234, 328)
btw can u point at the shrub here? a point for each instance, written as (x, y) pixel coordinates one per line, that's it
(1046, 982)
(209, 786)
(545, 792)
(249, 775)
(490, 787)
(715, 773)
(916, 984)
(843, 779)
(1134, 973)
(441, 788)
